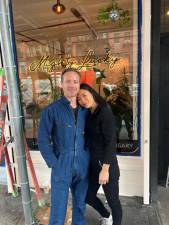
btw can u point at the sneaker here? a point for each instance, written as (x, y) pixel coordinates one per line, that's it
(106, 221)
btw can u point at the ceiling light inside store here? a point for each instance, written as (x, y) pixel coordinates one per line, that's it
(167, 13)
(114, 15)
(58, 8)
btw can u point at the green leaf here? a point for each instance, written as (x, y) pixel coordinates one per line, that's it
(102, 74)
(96, 69)
(106, 92)
(98, 80)
(2, 72)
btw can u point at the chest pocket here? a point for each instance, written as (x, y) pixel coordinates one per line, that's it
(63, 133)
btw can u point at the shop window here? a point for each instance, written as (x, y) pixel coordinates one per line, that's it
(109, 63)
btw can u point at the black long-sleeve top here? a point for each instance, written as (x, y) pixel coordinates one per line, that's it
(101, 135)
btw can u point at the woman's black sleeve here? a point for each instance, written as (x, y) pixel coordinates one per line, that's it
(108, 129)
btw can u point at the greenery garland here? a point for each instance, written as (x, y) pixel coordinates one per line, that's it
(114, 13)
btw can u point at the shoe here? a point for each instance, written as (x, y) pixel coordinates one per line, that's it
(106, 221)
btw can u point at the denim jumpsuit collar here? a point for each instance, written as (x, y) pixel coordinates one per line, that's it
(67, 102)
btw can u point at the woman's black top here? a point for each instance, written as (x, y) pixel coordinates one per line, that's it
(101, 135)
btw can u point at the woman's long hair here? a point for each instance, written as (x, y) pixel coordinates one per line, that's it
(97, 98)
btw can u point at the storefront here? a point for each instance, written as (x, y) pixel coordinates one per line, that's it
(109, 43)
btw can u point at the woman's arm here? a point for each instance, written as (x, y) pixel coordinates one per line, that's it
(108, 130)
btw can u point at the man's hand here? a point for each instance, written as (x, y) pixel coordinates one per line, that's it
(104, 174)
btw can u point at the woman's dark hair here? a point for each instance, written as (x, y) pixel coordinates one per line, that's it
(97, 98)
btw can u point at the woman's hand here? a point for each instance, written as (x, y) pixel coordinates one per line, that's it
(104, 174)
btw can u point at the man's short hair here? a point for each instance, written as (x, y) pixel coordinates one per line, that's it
(70, 69)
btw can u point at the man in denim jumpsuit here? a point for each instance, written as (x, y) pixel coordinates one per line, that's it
(61, 143)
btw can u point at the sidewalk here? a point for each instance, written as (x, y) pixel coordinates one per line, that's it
(134, 212)
(163, 205)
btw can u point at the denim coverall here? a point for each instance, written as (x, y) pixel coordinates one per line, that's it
(61, 143)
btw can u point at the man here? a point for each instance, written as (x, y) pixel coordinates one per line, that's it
(61, 142)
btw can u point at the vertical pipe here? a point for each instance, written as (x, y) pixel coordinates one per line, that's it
(145, 101)
(15, 111)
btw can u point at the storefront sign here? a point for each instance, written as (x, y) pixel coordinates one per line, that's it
(128, 147)
(124, 147)
(50, 63)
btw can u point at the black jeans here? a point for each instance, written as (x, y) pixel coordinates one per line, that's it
(111, 191)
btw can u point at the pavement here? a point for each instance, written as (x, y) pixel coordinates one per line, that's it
(134, 211)
(163, 205)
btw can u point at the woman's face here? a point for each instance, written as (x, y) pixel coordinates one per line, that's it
(85, 99)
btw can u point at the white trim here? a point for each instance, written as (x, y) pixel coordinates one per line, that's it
(145, 118)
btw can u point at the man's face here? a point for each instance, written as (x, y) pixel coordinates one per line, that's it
(70, 84)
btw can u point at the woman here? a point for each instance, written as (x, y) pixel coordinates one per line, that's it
(101, 140)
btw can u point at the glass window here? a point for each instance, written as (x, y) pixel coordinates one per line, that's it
(105, 51)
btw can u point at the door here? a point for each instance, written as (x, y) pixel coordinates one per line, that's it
(163, 150)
